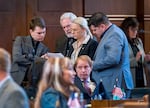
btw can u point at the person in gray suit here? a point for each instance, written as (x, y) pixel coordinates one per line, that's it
(29, 50)
(111, 59)
(11, 94)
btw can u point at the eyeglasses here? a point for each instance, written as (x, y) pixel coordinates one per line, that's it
(67, 26)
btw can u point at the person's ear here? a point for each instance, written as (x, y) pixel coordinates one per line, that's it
(30, 31)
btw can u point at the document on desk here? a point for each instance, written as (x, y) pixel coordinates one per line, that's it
(55, 55)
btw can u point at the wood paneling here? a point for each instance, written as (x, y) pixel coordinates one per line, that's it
(116, 10)
(113, 7)
(147, 7)
(147, 36)
(147, 25)
(11, 21)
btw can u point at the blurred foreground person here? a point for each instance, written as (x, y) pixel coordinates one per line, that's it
(56, 85)
(11, 94)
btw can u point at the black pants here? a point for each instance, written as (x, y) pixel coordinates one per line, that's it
(33, 77)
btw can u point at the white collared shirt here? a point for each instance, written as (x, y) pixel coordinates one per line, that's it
(77, 48)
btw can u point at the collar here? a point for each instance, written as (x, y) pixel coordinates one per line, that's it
(4, 80)
(84, 42)
(34, 41)
(106, 31)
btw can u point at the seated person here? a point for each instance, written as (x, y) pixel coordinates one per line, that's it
(83, 67)
(56, 85)
(29, 50)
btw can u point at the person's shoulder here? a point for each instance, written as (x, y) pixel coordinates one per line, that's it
(50, 93)
(13, 88)
(14, 85)
(117, 31)
(139, 39)
(115, 27)
(21, 37)
(44, 46)
(77, 80)
(50, 90)
(93, 42)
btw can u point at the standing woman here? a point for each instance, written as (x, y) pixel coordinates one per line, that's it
(84, 45)
(56, 85)
(130, 27)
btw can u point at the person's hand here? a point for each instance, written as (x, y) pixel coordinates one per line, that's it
(138, 56)
(45, 56)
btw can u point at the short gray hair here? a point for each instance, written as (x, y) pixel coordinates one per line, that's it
(69, 15)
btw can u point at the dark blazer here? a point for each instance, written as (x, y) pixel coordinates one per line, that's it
(63, 44)
(12, 96)
(23, 55)
(87, 49)
(79, 84)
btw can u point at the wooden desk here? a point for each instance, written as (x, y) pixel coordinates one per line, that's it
(109, 103)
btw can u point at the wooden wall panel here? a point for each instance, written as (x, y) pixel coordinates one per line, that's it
(116, 10)
(147, 36)
(55, 5)
(10, 21)
(6, 23)
(113, 7)
(147, 7)
(147, 25)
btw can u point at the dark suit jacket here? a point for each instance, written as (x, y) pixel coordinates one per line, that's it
(63, 45)
(12, 96)
(87, 49)
(79, 84)
(23, 56)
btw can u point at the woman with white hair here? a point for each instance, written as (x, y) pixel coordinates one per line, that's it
(85, 44)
